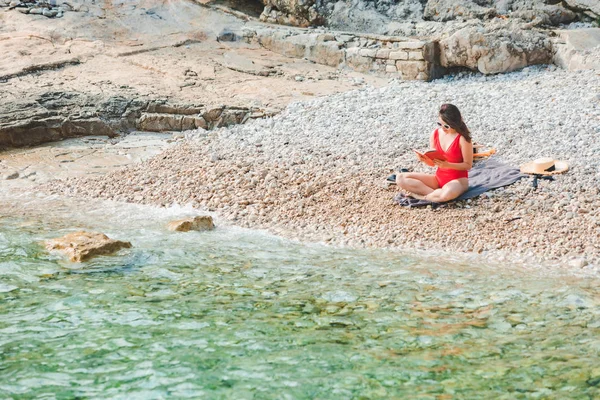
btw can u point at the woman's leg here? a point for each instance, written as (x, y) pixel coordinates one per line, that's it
(420, 184)
(450, 191)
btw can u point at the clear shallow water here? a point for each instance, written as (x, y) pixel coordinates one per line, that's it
(241, 315)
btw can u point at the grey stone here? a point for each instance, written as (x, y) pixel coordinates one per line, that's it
(578, 49)
(227, 36)
(49, 13)
(492, 52)
(11, 175)
(592, 6)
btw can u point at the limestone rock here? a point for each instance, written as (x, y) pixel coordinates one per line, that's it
(213, 114)
(227, 36)
(344, 15)
(11, 175)
(446, 10)
(81, 246)
(544, 14)
(18, 133)
(291, 12)
(327, 53)
(193, 123)
(398, 17)
(49, 13)
(181, 109)
(411, 70)
(279, 42)
(492, 52)
(160, 122)
(199, 223)
(578, 49)
(590, 7)
(229, 117)
(356, 61)
(58, 115)
(83, 127)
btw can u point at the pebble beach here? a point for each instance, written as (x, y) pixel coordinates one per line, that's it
(317, 171)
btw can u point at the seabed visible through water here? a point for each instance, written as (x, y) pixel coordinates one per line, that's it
(239, 314)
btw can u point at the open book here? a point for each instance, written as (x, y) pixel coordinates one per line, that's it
(431, 155)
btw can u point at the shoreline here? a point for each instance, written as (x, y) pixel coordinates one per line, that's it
(304, 175)
(492, 259)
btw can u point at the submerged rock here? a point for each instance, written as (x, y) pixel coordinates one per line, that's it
(200, 223)
(81, 246)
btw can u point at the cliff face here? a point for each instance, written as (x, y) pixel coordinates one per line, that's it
(403, 17)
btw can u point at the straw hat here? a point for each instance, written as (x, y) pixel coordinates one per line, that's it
(545, 166)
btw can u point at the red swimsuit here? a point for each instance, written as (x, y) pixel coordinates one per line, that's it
(453, 155)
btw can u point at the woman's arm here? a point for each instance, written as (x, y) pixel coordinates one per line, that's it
(466, 149)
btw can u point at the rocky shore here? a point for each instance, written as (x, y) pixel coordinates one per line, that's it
(317, 171)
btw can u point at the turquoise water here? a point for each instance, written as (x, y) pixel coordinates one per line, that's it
(236, 314)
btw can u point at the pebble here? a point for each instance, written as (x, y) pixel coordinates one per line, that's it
(11, 175)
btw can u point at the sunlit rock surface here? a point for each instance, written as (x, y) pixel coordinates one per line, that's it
(199, 223)
(81, 246)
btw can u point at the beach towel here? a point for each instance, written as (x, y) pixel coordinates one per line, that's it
(485, 175)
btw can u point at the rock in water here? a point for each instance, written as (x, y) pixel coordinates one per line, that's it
(81, 246)
(200, 223)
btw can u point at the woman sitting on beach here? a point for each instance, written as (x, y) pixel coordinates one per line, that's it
(451, 178)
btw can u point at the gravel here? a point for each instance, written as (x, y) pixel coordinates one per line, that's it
(317, 171)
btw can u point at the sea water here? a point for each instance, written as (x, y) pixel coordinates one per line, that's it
(240, 314)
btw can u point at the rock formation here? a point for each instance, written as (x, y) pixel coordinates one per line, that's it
(489, 36)
(59, 115)
(81, 246)
(385, 17)
(496, 51)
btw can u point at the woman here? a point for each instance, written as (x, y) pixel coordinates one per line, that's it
(451, 179)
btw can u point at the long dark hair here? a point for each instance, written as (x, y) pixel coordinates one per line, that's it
(450, 115)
